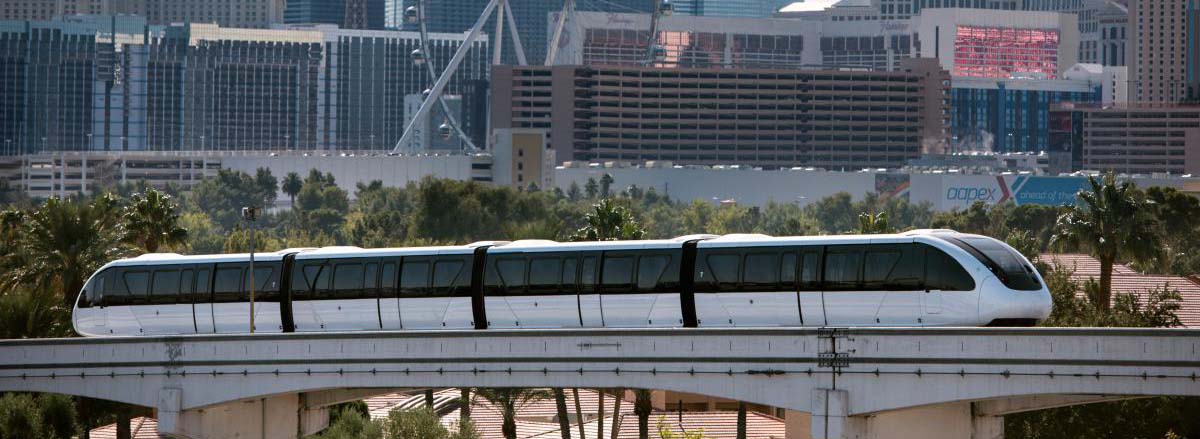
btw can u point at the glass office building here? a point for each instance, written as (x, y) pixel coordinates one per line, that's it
(114, 84)
(1010, 115)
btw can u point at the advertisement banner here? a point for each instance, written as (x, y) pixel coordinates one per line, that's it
(960, 192)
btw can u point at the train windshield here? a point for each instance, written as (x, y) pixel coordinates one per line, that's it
(1002, 260)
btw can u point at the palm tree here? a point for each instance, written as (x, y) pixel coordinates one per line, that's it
(642, 407)
(510, 400)
(291, 186)
(600, 414)
(579, 414)
(616, 422)
(464, 401)
(874, 223)
(564, 422)
(606, 182)
(62, 243)
(741, 420)
(152, 221)
(609, 222)
(1113, 222)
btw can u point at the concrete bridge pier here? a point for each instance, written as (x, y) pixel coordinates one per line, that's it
(274, 417)
(831, 418)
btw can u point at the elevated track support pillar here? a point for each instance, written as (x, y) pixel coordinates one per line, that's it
(275, 417)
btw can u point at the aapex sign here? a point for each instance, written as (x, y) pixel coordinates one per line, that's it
(964, 191)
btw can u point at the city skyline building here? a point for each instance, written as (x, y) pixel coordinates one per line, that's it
(534, 19)
(1162, 51)
(608, 39)
(1163, 139)
(1010, 115)
(730, 8)
(760, 117)
(115, 84)
(346, 14)
(998, 44)
(229, 13)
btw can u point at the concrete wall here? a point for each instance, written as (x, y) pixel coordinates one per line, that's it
(759, 187)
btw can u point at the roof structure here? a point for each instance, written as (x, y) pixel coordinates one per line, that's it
(141, 427)
(1129, 281)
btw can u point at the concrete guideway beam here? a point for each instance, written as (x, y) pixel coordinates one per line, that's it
(855, 382)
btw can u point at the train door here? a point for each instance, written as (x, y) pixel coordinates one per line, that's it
(202, 306)
(846, 301)
(343, 301)
(308, 277)
(766, 296)
(808, 287)
(897, 271)
(172, 311)
(155, 302)
(435, 292)
(389, 299)
(640, 289)
(590, 313)
(265, 278)
(230, 307)
(548, 299)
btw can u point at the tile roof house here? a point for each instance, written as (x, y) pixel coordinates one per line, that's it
(1127, 280)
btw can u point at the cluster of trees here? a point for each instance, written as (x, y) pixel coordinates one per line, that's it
(48, 248)
(351, 421)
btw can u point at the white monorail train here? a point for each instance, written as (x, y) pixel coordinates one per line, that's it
(919, 278)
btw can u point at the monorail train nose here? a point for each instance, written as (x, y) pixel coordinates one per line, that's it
(1002, 306)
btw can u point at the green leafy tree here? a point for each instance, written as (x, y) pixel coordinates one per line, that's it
(26, 314)
(1113, 222)
(609, 222)
(510, 400)
(351, 423)
(666, 432)
(44, 416)
(869, 223)
(222, 197)
(591, 188)
(62, 243)
(152, 221)
(573, 192)
(291, 186)
(415, 423)
(606, 182)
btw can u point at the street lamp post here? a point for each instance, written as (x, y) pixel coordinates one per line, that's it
(250, 214)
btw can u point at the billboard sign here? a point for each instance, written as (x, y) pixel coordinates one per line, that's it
(960, 192)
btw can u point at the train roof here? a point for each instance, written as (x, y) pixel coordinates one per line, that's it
(538, 245)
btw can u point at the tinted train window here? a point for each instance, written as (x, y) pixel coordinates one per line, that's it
(569, 269)
(370, 279)
(723, 270)
(164, 288)
(877, 267)
(761, 272)
(810, 272)
(227, 287)
(448, 278)
(1002, 260)
(114, 292)
(511, 275)
(587, 274)
(617, 275)
(387, 280)
(348, 281)
(136, 283)
(650, 271)
(842, 268)
(544, 274)
(787, 270)
(185, 286)
(203, 293)
(942, 272)
(414, 279)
